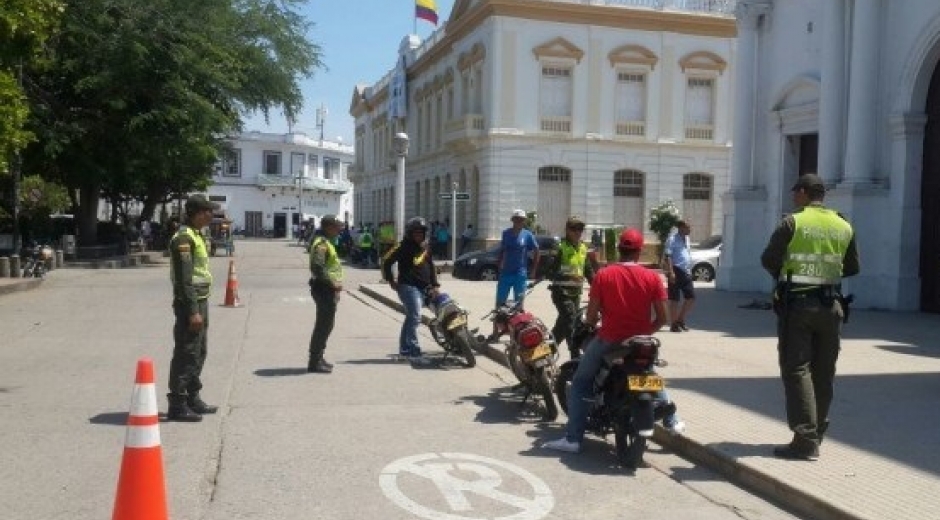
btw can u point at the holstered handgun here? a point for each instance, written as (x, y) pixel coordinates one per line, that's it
(846, 302)
(782, 295)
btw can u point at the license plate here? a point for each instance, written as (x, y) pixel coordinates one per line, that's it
(457, 322)
(645, 383)
(538, 352)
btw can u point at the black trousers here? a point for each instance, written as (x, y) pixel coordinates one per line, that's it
(189, 351)
(567, 307)
(326, 299)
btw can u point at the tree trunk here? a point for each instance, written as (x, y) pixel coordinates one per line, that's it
(87, 215)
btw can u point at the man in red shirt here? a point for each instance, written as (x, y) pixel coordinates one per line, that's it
(626, 294)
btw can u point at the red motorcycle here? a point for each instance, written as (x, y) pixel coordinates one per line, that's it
(532, 351)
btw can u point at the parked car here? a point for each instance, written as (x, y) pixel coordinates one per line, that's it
(484, 264)
(705, 256)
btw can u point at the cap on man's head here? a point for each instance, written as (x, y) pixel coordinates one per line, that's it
(574, 221)
(809, 182)
(328, 220)
(518, 213)
(631, 240)
(197, 203)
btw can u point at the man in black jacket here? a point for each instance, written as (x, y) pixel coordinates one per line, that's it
(416, 277)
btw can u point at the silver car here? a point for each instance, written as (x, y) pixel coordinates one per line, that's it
(705, 256)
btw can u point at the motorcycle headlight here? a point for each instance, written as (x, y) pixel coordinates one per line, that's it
(472, 261)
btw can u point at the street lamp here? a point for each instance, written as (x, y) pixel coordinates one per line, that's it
(300, 203)
(400, 143)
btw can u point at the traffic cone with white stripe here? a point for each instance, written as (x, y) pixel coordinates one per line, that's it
(141, 489)
(231, 287)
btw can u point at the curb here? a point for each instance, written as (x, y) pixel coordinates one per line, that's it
(763, 484)
(22, 284)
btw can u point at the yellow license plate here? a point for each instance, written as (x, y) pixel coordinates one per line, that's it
(645, 383)
(538, 352)
(457, 322)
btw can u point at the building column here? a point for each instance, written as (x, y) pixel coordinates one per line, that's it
(831, 98)
(742, 166)
(863, 80)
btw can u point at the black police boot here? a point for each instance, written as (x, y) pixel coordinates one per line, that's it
(798, 449)
(179, 410)
(199, 406)
(319, 367)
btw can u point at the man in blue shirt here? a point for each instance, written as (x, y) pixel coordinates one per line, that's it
(514, 249)
(678, 270)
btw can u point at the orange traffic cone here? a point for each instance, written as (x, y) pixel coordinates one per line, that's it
(141, 490)
(231, 287)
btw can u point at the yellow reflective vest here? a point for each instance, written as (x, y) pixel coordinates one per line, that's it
(816, 252)
(189, 271)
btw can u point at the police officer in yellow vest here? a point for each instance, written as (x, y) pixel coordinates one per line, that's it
(192, 281)
(808, 254)
(367, 248)
(568, 273)
(326, 285)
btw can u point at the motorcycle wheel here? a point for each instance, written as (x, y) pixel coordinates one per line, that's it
(629, 444)
(463, 345)
(544, 388)
(562, 383)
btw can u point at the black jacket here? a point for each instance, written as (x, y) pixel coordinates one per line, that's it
(415, 266)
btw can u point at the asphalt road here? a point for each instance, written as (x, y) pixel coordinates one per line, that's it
(378, 438)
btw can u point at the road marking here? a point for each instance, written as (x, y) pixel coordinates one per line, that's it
(439, 468)
(296, 299)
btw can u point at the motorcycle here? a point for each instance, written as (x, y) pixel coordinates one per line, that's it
(531, 351)
(449, 327)
(35, 264)
(625, 397)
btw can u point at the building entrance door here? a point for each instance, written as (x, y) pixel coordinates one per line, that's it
(280, 225)
(930, 203)
(253, 226)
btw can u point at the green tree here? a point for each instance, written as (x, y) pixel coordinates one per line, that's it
(137, 95)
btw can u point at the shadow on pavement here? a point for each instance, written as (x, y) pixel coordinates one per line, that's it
(110, 418)
(503, 405)
(278, 372)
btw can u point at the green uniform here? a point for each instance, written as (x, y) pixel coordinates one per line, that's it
(568, 273)
(817, 247)
(326, 282)
(192, 283)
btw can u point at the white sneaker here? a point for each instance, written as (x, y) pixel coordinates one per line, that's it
(676, 427)
(563, 444)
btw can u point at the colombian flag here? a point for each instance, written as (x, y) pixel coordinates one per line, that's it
(426, 10)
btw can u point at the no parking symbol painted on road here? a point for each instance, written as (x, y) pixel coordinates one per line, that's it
(440, 470)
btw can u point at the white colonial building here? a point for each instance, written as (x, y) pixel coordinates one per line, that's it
(267, 183)
(848, 89)
(602, 109)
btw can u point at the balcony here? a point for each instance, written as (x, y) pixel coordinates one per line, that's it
(631, 128)
(699, 132)
(285, 181)
(460, 133)
(556, 125)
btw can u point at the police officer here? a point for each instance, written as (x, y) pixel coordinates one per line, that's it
(568, 273)
(808, 254)
(326, 285)
(366, 246)
(192, 281)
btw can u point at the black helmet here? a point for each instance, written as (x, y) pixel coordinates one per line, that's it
(414, 224)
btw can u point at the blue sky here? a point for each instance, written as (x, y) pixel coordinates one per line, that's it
(359, 42)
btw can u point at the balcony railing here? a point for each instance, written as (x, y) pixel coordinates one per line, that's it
(699, 132)
(631, 128)
(286, 181)
(557, 125)
(464, 127)
(719, 7)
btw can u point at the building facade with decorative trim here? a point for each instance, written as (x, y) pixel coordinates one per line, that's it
(848, 89)
(267, 183)
(602, 109)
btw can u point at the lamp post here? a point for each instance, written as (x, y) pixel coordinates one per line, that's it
(401, 149)
(300, 203)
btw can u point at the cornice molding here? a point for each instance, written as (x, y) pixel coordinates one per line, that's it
(703, 60)
(633, 55)
(558, 48)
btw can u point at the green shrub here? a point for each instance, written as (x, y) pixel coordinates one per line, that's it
(663, 219)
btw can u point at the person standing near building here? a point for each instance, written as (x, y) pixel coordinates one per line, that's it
(192, 282)
(568, 273)
(416, 278)
(326, 286)
(678, 267)
(367, 247)
(808, 255)
(465, 238)
(515, 246)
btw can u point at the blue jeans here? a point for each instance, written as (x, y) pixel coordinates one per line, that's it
(413, 301)
(516, 282)
(582, 387)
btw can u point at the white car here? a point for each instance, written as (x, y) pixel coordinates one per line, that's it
(705, 256)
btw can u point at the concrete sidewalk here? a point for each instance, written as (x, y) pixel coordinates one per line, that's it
(150, 258)
(880, 459)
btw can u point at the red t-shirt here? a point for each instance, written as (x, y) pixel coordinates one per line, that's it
(626, 293)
